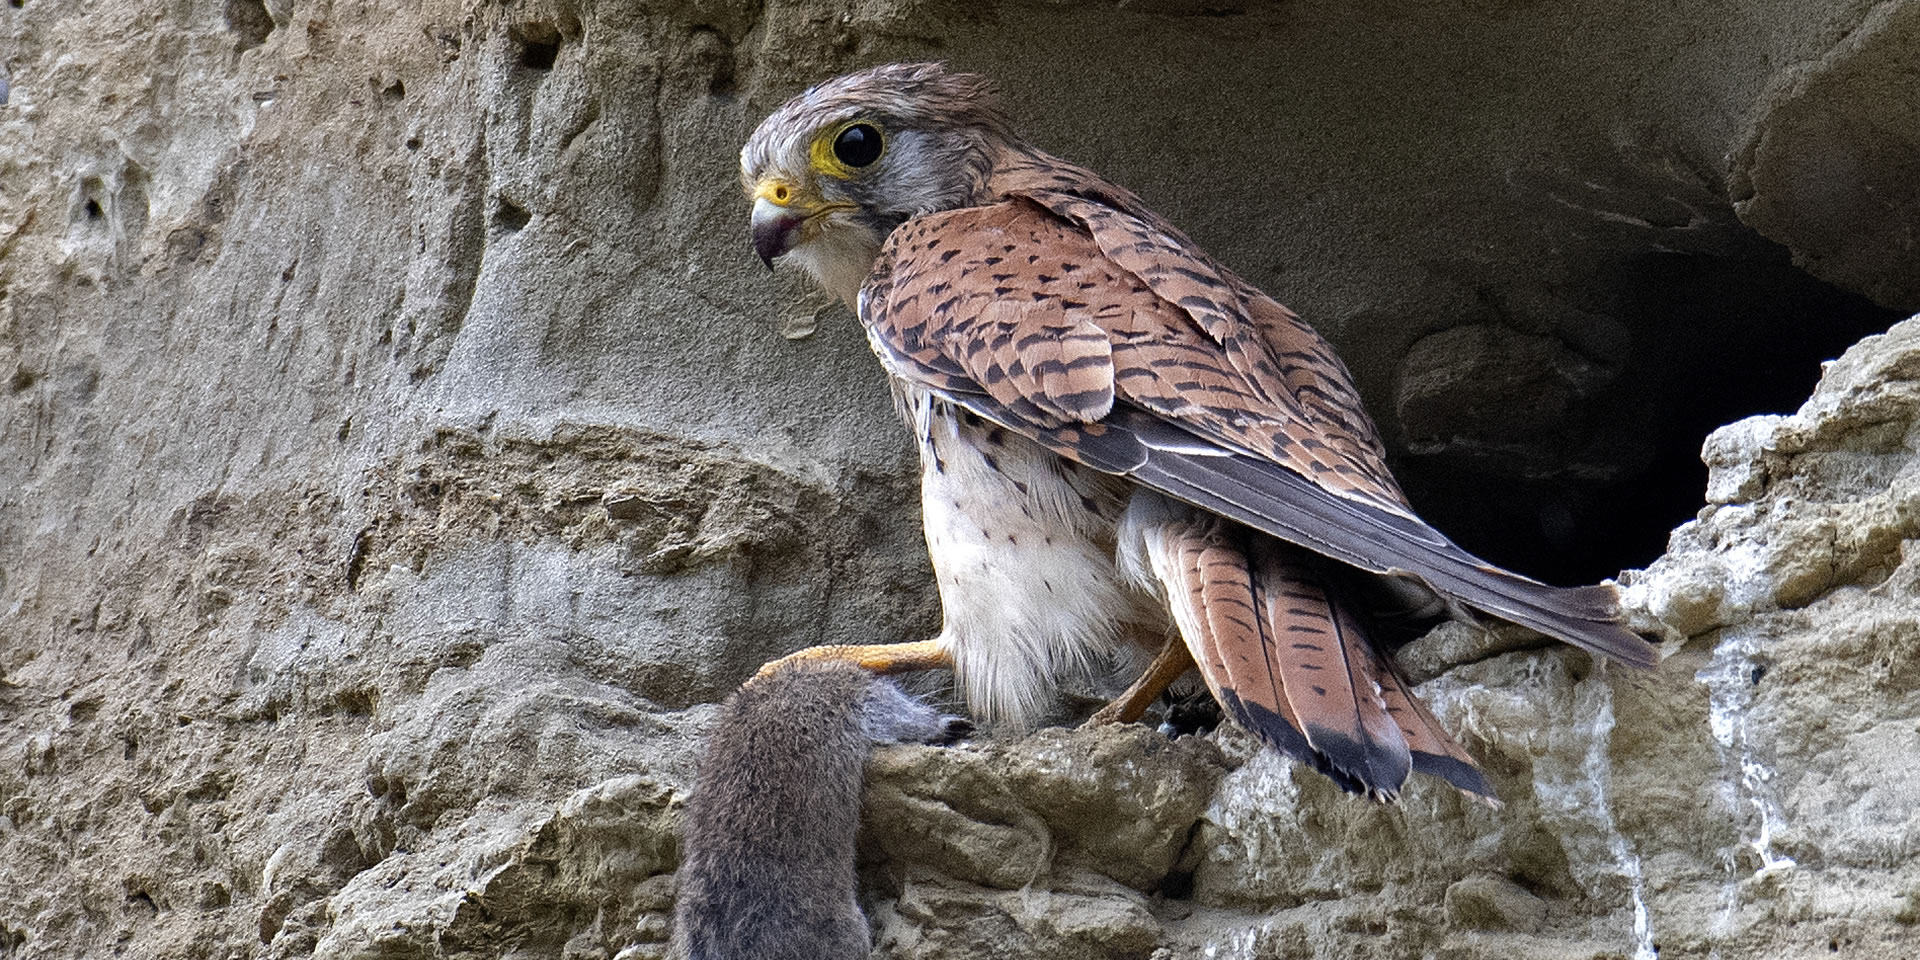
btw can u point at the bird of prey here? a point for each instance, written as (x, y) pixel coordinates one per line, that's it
(1122, 442)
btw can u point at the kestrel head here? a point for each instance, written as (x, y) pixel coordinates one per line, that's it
(833, 171)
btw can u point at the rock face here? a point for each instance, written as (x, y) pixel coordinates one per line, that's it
(399, 449)
(1753, 796)
(1801, 584)
(1829, 166)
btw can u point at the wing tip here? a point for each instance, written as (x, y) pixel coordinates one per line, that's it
(1252, 492)
(1615, 641)
(1590, 618)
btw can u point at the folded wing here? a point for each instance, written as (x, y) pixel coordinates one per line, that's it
(1203, 390)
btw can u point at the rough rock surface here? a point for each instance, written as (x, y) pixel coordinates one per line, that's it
(399, 448)
(1753, 796)
(1831, 165)
(1800, 586)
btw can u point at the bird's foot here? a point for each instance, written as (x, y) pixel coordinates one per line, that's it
(1192, 714)
(880, 658)
(1119, 711)
(1167, 666)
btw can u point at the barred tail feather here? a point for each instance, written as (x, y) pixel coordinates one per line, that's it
(1290, 663)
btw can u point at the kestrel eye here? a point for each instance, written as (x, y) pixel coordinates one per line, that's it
(858, 145)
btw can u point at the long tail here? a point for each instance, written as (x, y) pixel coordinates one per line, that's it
(1292, 663)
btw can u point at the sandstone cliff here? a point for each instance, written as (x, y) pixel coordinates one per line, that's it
(400, 448)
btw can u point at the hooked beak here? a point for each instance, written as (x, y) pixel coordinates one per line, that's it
(776, 228)
(782, 211)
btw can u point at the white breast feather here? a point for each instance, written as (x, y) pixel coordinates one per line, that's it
(1026, 572)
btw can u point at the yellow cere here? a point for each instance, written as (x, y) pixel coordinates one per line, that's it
(774, 191)
(822, 150)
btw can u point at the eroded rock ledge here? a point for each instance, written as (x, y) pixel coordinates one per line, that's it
(399, 447)
(1753, 795)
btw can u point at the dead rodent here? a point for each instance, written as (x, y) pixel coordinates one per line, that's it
(766, 867)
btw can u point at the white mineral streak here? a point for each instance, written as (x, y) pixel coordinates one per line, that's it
(1730, 684)
(1238, 945)
(1729, 679)
(1747, 582)
(1577, 797)
(1598, 770)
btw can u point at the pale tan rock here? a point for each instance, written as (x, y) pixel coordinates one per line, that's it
(1117, 801)
(1487, 902)
(1088, 918)
(399, 449)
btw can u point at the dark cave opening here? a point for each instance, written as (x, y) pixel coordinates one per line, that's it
(1714, 339)
(537, 45)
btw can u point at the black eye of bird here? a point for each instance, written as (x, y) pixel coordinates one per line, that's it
(858, 145)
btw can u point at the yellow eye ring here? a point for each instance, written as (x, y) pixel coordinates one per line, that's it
(843, 150)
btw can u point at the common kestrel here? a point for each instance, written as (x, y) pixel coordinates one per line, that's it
(1122, 442)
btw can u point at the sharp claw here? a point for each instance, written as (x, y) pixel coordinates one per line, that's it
(957, 729)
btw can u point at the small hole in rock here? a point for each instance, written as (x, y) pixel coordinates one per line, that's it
(250, 21)
(539, 45)
(510, 216)
(1756, 674)
(413, 143)
(394, 91)
(714, 54)
(1177, 885)
(93, 209)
